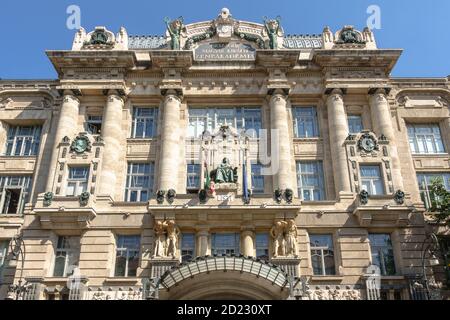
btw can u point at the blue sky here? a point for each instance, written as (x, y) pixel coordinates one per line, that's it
(31, 27)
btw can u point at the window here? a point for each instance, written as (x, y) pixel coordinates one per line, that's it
(127, 256)
(193, 177)
(426, 179)
(225, 243)
(382, 253)
(187, 246)
(15, 192)
(262, 246)
(310, 180)
(77, 182)
(23, 141)
(3, 252)
(371, 180)
(67, 256)
(210, 119)
(425, 138)
(144, 122)
(257, 179)
(305, 122)
(94, 124)
(354, 124)
(140, 179)
(322, 254)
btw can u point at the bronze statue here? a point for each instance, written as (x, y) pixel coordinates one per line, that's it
(273, 31)
(174, 28)
(225, 173)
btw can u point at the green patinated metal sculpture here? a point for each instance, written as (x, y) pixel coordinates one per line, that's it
(99, 37)
(174, 28)
(273, 27)
(84, 198)
(81, 144)
(349, 35)
(225, 173)
(48, 198)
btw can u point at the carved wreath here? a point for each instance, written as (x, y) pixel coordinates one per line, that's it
(81, 144)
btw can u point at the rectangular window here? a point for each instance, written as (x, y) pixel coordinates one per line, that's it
(144, 122)
(425, 138)
(127, 256)
(426, 179)
(371, 179)
(382, 253)
(225, 243)
(310, 180)
(193, 177)
(322, 254)
(23, 141)
(15, 192)
(210, 119)
(305, 122)
(77, 182)
(3, 253)
(354, 124)
(257, 179)
(94, 124)
(187, 246)
(262, 246)
(66, 256)
(140, 179)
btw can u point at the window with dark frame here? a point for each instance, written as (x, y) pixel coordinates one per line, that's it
(187, 246)
(371, 179)
(127, 255)
(322, 254)
(225, 243)
(305, 122)
(140, 180)
(66, 256)
(94, 124)
(382, 253)
(193, 177)
(23, 141)
(15, 192)
(77, 181)
(144, 123)
(262, 246)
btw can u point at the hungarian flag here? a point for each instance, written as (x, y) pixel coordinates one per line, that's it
(209, 185)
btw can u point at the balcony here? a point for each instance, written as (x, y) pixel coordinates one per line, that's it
(382, 211)
(61, 212)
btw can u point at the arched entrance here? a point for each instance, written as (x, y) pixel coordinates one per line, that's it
(225, 278)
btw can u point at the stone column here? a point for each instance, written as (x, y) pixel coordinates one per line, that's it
(382, 124)
(67, 125)
(170, 142)
(338, 127)
(112, 135)
(202, 243)
(247, 243)
(279, 122)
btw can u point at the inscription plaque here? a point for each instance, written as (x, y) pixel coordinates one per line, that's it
(218, 51)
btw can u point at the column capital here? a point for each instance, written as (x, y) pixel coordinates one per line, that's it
(373, 91)
(172, 93)
(335, 95)
(278, 91)
(114, 97)
(378, 96)
(70, 98)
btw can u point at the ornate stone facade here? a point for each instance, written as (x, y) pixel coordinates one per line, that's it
(134, 203)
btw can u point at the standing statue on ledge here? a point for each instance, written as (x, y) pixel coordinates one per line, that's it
(160, 240)
(174, 28)
(173, 232)
(291, 238)
(225, 173)
(273, 29)
(277, 233)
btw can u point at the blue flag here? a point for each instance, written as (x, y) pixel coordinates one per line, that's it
(245, 184)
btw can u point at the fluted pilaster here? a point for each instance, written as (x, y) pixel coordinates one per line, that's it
(112, 135)
(338, 128)
(170, 143)
(382, 124)
(67, 126)
(279, 124)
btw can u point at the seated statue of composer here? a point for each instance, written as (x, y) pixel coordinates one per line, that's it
(225, 173)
